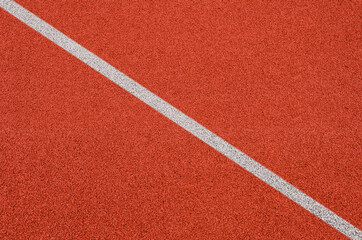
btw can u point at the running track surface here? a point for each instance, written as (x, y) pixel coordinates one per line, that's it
(81, 158)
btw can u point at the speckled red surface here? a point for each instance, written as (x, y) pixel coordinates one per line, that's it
(82, 158)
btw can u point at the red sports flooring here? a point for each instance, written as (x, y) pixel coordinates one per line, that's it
(83, 159)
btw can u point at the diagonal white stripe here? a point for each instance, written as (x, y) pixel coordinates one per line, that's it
(181, 119)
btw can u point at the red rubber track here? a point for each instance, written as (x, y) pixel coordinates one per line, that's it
(84, 158)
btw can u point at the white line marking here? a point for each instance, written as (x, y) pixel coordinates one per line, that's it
(181, 119)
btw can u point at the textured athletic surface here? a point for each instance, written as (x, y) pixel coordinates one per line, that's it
(211, 91)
